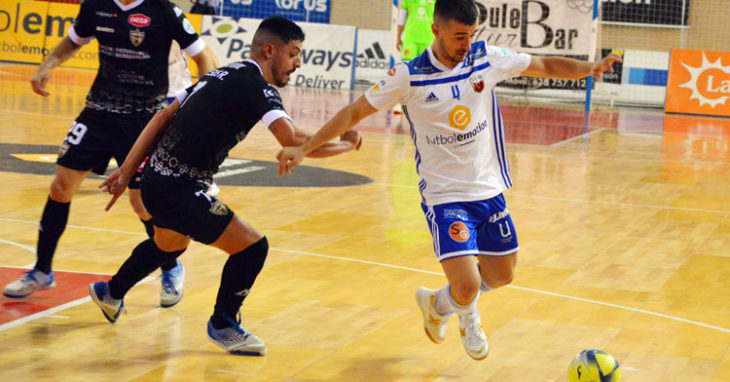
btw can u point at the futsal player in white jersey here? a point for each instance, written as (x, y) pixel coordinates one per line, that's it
(457, 128)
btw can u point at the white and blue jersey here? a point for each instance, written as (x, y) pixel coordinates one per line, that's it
(457, 128)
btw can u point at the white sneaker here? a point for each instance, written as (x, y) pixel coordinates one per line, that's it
(172, 285)
(473, 337)
(236, 339)
(32, 281)
(111, 307)
(433, 323)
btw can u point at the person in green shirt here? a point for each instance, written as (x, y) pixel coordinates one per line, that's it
(416, 18)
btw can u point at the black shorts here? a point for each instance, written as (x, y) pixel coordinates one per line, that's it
(94, 138)
(185, 208)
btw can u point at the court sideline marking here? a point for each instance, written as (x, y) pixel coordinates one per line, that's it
(538, 291)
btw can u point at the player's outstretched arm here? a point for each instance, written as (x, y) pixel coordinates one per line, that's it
(289, 135)
(568, 68)
(60, 53)
(117, 182)
(349, 116)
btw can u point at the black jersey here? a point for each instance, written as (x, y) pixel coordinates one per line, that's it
(134, 45)
(216, 114)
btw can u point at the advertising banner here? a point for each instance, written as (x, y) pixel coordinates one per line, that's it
(30, 29)
(547, 27)
(650, 12)
(311, 11)
(373, 56)
(542, 27)
(699, 82)
(327, 56)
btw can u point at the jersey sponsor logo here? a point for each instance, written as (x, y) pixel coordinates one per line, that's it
(136, 37)
(477, 82)
(105, 29)
(188, 27)
(269, 93)
(498, 216)
(459, 232)
(456, 213)
(432, 98)
(459, 139)
(139, 20)
(459, 117)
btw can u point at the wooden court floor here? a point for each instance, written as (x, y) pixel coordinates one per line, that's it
(623, 222)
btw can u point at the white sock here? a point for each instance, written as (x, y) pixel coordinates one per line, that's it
(484, 287)
(443, 301)
(461, 310)
(464, 310)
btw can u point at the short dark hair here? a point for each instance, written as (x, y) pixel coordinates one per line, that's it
(283, 28)
(463, 11)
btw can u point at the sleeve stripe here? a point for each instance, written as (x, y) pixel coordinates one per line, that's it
(78, 40)
(181, 96)
(195, 48)
(273, 115)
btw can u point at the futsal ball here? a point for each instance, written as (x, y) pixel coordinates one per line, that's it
(594, 366)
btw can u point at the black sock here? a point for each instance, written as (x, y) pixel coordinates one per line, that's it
(53, 222)
(238, 277)
(150, 229)
(145, 258)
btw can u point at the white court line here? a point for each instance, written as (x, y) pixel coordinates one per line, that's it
(44, 313)
(59, 270)
(647, 312)
(74, 226)
(27, 248)
(585, 201)
(586, 135)
(50, 312)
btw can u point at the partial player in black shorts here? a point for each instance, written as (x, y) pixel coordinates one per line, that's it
(134, 39)
(189, 140)
(185, 207)
(95, 138)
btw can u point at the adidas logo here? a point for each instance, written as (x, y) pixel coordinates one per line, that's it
(374, 51)
(432, 98)
(372, 57)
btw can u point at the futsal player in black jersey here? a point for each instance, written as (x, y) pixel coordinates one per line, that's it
(187, 142)
(131, 84)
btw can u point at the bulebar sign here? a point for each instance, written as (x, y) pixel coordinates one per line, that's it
(699, 82)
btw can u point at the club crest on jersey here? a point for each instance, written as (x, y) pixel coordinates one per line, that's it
(139, 20)
(477, 82)
(218, 208)
(391, 72)
(136, 36)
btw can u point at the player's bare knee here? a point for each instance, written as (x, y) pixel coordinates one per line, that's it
(464, 292)
(499, 278)
(61, 191)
